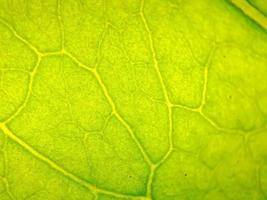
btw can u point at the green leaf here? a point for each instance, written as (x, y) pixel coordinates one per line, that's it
(133, 100)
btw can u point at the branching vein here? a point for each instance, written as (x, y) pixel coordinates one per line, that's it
(112, 104)
(95, 190)
(165, 93)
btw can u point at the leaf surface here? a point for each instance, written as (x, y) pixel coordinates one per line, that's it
(133, 100)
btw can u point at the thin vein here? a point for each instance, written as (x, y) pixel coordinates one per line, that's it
(28, 94)
(112, 104)
(216, 126)
(9, 193)
(156, 67)
(150, 181)
(35, 50)
(94, 189)
(5, 157)
(154, 56)
(259, 183)
(185, 107)
(18, 36)
(210, 121)
(60, 21)
(167, 100)
(14, 70)
(4, 178)
(43, 158)
(206, 71)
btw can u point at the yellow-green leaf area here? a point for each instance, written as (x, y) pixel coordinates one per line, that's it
(133, 100)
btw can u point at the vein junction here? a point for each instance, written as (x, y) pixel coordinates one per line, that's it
(153, 166)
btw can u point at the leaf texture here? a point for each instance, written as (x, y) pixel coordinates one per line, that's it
(133, 100)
